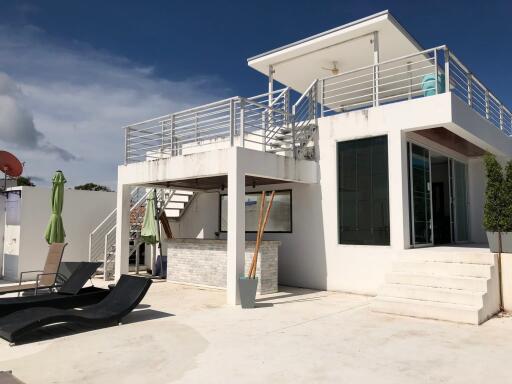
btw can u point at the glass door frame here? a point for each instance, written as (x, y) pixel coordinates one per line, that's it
(411, 197)
(453, 199)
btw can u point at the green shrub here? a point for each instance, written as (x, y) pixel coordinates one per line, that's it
(495, 201)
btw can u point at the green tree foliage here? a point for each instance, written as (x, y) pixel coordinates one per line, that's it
(24, 181)
(93, 187)
(495, 201)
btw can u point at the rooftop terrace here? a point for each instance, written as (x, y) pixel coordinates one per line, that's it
(373, 62)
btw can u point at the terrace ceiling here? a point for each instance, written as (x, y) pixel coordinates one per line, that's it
(298, 64)
(214, 183)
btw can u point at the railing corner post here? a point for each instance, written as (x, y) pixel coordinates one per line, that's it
(242, 122)
(446, 69)
(232, 121)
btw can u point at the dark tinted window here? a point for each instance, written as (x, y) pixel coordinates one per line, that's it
(363, 191)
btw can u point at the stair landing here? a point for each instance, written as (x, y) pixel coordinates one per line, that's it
(453, 283)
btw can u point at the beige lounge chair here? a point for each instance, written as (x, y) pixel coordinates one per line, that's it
(46, 278)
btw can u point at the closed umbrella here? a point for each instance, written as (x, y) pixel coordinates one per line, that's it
(55, 230)
(150, 232)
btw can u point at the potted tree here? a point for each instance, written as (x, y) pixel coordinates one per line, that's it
(495, 203)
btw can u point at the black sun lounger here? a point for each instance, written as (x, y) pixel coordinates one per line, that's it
(70, 295)
(125, 296)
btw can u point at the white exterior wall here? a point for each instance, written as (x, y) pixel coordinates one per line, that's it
(82, 212)
(311, 256)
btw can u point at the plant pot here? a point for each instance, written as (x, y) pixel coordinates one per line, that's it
(247, 291)
(506, 242)
(506, 280)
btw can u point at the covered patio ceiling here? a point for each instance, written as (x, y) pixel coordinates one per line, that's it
(350, 45)
(214, 183)
(450, 140)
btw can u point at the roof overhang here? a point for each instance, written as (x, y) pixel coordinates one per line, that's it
(350, 45)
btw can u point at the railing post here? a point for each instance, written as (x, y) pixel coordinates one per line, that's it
(446, 69)
(242, 122)
(376, 60)
(470, 89)
(126, 139)
(195, 128)
(294, 148)
(162, 144)
(486, 104)
(172, 134)
(322, 98)
(501, 117)
(409, 96)
(90, 247)
(105, 258)
(436, 72)
(232, 122)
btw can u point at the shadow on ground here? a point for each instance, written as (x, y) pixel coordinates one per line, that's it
(56, 331)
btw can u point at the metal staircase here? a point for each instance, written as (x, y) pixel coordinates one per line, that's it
(296, 134)
(102, 240)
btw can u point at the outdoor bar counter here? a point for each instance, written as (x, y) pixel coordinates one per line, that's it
(204, 262)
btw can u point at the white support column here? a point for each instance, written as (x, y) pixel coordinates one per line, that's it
(398, 190)
(236, 228)
(122, 230)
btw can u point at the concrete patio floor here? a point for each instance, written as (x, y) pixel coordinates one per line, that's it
(183, 334)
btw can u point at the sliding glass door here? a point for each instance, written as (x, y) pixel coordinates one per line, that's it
(459, 201)
(421, 196)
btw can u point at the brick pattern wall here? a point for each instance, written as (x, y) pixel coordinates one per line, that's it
(203, 262)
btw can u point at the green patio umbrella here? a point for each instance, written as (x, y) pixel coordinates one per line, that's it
(150, 233)
(55, 230)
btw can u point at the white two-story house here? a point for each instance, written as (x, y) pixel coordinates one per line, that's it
(376, 146)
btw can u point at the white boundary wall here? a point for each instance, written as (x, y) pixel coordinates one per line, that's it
(24, 245)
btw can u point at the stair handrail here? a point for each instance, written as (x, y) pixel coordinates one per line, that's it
(108, 224)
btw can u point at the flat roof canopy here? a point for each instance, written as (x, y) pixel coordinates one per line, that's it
(351, 46)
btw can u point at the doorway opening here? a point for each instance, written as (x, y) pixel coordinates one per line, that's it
(438, 198)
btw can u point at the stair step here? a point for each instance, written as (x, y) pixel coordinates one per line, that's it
(442, 295)
(427, 309)
(180, 198)
(443, 269)
(175, 205)
(473, 284)
(450, 257)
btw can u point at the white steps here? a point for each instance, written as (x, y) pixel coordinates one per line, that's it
(428, 310)
(455, 286)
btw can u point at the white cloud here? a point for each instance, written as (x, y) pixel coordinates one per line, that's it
(71, 102)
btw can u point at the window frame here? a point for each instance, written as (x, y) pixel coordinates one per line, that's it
(339, 197)
(290, 191)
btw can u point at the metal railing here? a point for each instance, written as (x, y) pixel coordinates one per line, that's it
(427, 73)
(404, 78)
(269, 123)
(103, 238)
(471, 90)
(257, 122)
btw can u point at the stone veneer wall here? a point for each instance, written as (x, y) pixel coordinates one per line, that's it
(203, 262)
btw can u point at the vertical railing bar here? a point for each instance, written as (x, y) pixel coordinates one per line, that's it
(126, 139)
(242, 122)
(436, 73)
(446, 69)
(232, 121)
(486, 104)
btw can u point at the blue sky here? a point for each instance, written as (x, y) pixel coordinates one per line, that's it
(72, 73)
